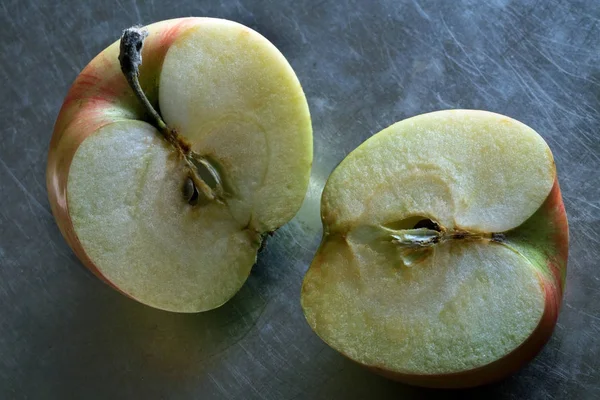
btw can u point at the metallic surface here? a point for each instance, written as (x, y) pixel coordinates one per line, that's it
(364, 65)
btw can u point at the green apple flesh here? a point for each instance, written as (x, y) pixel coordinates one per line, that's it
(444, 250)
(118, 188)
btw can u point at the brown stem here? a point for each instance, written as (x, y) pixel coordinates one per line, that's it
(130, 59)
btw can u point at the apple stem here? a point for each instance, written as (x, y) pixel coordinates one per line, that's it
(130, 59)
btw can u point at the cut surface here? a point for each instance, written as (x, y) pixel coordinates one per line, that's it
(246, 111)
(463, 307)
(416, 273)
(470, 169)
(129, 215)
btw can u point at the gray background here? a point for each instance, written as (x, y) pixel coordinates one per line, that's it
(364, 65)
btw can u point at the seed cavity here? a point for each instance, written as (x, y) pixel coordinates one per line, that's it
(427, 224)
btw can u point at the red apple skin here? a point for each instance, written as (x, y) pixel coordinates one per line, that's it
(101, 95)
(548, 225)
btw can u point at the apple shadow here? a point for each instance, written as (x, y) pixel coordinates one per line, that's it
(101, 333)
(90, 337)
(354, 381)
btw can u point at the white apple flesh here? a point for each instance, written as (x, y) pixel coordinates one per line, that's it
(444, 250)
(118, 188)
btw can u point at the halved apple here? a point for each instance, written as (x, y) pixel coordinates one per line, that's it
(444, 250)
(165, 191)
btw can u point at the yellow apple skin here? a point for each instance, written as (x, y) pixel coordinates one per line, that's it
(547, 226)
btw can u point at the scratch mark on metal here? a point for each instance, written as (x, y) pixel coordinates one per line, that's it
(30, 196)
(420, 10)
(219, 386)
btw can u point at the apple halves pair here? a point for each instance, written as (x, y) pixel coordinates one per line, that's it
(445, 240)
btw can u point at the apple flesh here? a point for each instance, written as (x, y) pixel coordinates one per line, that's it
(120, 192)
(444, 250)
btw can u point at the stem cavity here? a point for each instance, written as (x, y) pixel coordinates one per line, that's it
(200, 169)
(425, 237)
(414, 239)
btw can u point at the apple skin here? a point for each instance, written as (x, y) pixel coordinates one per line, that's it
(548, 226)
(101, 95)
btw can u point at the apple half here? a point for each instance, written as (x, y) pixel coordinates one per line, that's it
(164, 177)
(444, 250)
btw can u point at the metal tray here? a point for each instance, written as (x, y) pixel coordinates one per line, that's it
(364, 65)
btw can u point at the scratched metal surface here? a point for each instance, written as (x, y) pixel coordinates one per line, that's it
(364, 65)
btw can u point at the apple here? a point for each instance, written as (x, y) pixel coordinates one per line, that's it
(444, 250)
(164, 176)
